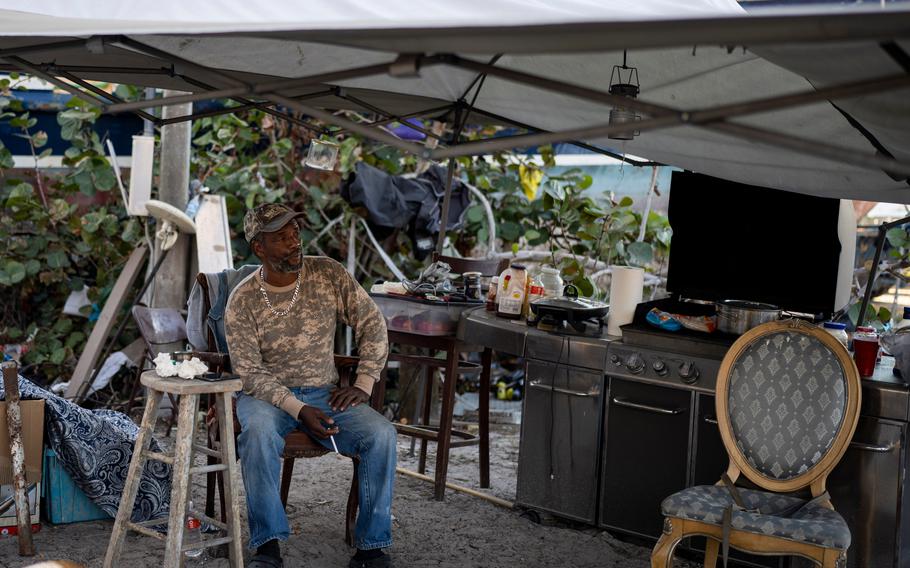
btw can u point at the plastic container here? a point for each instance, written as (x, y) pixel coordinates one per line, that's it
(865, 351)
(64, 502)
(423, 317)
(192, 534)
(513, 289)
(551, 281)
(535, 292)
(491, 294)
(471, 285)
(838, 330)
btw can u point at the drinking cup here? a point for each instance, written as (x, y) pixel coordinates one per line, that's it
(865, 352)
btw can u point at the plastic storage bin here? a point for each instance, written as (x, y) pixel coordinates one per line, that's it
(64, 502)
(423, 317)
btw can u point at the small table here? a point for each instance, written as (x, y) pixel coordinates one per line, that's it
(444, 433)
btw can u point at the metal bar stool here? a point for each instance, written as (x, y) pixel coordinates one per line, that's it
(182, 468)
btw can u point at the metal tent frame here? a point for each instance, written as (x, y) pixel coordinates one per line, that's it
(311, 95)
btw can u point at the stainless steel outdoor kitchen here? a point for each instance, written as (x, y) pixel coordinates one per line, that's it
(613, 424)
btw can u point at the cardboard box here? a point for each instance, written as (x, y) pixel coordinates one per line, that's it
(8, 518)
(32, 439)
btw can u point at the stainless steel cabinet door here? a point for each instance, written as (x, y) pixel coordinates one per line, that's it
(865, 488)
(560, 440)
(646, 454)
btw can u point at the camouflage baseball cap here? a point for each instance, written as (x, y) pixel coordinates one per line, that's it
(267, 218)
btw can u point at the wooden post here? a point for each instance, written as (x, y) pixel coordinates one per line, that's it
(170, 288)
(17, 451)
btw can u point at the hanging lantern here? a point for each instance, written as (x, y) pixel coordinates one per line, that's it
(624, 83)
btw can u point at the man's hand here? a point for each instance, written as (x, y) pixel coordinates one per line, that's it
(316, 420)
(341, 399)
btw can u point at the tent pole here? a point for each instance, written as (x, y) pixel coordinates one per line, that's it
(520, 140)
(589, 147)
(266, 108)
(102, 93)
(446, 203)
(264, 88)
(329, 118)
(389, 115)
(870, 282)
(813, 148)
(31, 69)
(664, 116)
(460, 119)
(417, 114)
(245, 106)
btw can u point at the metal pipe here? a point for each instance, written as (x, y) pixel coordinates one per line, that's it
(90, 69)
(460, 118)
(387, 114)
(870, 281)
(101, 92)
(507, 142)
(242, 107)
(330, 118)
(17, 457)
(263, 88)
(661, 112)
(416, 114)
(843, 91)
(31, 69)
(29, 49)
(264, 107)
(577, 91)
(594, 149)
(446, 204)
(461, 488)
(811, 147)
(133, 45)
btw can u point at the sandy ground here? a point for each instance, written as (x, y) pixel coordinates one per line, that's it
(462, 531)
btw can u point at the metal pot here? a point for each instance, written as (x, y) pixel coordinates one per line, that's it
(739, 316)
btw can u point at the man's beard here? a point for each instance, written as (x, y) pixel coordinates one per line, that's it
(290, 264)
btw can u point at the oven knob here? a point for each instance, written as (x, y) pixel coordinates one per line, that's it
(659, 367)
(688, 372)
(635, 363)
(616, 360)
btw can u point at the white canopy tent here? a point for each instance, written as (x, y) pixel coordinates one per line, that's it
(812, 102)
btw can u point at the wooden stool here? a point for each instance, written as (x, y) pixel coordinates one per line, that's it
(182, 468)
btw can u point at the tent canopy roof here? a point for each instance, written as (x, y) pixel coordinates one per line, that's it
(546, 66)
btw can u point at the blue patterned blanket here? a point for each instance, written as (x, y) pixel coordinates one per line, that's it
(95, 448)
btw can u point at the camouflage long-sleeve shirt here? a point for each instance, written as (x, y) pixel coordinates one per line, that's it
(272, 353)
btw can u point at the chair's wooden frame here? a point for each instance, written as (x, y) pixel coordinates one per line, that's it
(676, 528)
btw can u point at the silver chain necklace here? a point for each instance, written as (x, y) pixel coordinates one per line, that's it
(268, 302)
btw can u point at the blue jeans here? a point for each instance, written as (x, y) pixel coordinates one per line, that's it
(361, 431)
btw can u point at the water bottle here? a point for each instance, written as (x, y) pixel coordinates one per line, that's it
(192, 533)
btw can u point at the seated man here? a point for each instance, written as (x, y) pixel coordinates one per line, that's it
(280, 326)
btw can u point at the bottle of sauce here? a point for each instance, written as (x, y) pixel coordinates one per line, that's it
(513, 284)
(491, 294)
(535, 292)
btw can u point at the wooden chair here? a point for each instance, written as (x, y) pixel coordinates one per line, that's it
(787, 400)
(485, 266)
(298, 444)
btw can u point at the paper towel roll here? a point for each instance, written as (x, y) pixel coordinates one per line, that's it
(626, 285)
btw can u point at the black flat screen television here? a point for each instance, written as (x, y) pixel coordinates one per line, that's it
(742, 242)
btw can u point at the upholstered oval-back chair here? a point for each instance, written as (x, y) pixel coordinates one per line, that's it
(787, 401)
